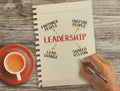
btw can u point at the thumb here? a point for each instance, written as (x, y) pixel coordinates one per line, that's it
(85, 73)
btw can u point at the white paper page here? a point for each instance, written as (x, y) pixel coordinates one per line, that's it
(64, 20)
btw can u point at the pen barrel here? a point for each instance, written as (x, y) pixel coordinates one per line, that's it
(97, 74)
(93, 71)
(101, 77)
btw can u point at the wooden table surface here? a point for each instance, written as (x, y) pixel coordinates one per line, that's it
(16, 26)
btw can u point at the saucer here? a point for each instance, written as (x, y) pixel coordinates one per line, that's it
(25, 74)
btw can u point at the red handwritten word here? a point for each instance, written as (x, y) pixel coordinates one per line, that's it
(64, 38)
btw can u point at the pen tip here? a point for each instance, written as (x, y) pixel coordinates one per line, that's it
(106, 81)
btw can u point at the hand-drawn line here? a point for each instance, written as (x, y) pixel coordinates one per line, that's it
(77, 44)
(54, 47)
(54, 30)
(77, 29)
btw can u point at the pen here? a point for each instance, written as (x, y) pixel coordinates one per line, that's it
(94, 72)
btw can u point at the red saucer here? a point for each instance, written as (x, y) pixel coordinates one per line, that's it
(27, 72)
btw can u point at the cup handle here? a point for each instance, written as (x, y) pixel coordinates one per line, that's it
(18, 76)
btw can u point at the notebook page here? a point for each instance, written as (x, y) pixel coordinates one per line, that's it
(65, 34)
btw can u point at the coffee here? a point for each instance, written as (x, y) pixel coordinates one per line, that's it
(14, 63)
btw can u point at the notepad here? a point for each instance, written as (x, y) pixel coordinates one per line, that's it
(64, 32)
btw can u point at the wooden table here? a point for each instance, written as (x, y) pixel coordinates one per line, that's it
(16, 26)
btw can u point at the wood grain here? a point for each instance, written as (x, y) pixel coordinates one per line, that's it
(16, 26)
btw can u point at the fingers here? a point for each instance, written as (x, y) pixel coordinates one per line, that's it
(85, 73)
(98, 64)
(92, 59)
(104, 67)
(95, 60)
(91, 78)
(102, 59)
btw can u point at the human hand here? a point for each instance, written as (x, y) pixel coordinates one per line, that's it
(105, 68)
